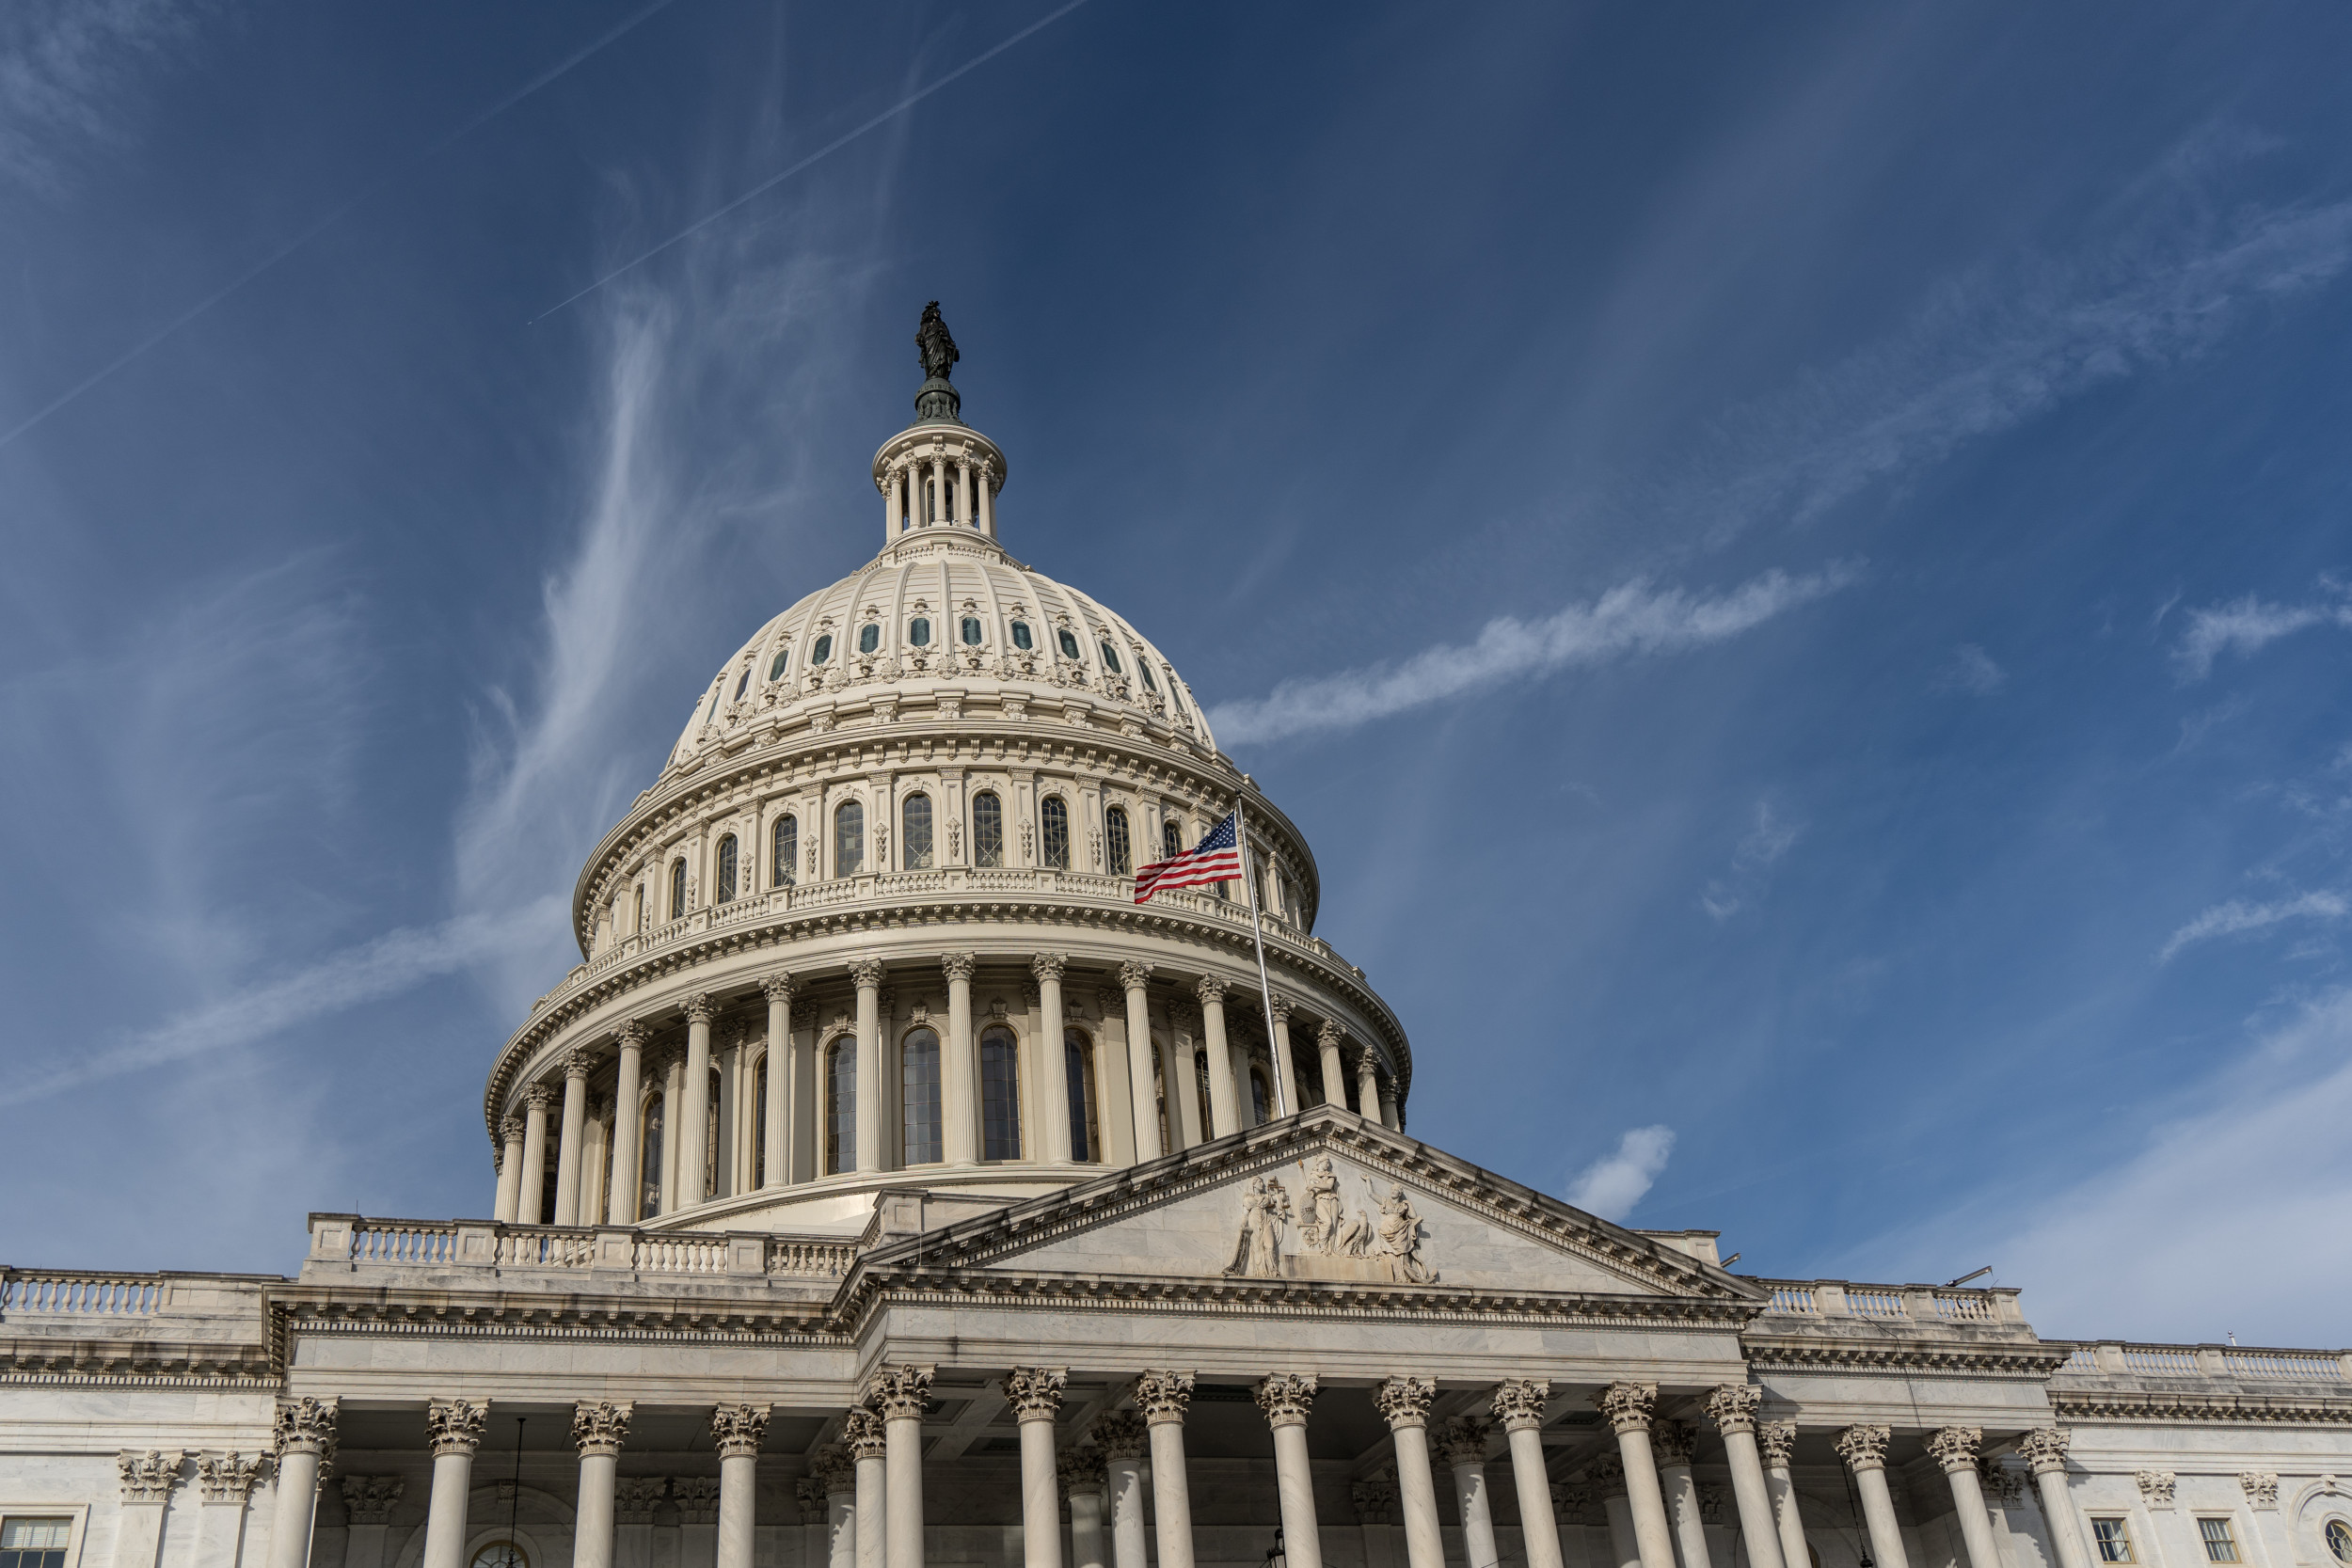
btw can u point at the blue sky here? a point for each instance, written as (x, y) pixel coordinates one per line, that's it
(1791, 562)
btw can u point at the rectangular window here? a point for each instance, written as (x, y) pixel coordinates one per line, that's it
(2221, 1545)
(34, 1543)
(2113, 1538)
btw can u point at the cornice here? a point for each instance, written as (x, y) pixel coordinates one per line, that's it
(545, 1315)
(1921, 1355)
(142, 1363)
(2144, 1406)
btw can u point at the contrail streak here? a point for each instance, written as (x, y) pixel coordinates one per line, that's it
(829, 149)
(559, 69)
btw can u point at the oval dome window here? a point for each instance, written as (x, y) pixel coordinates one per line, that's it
(919, 632)
(1069, 643)
(868, 638)
(972, 631)
(1021, 636)
(823, 650)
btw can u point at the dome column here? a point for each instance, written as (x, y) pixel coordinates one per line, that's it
(693, 1119)
(1135, 977)
(1053, 1059)
(867, 972)
(1334, 1077)
(781, 1080)
(963, 492)
(1278, 1034)
(987, 500)
(1223, 1118)
(959, 1099)
(510, 1168)
(1368, 1084)
(575, 1062)
(534, 1177)
(628, 1127)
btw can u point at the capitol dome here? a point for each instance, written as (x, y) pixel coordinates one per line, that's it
(873, 930)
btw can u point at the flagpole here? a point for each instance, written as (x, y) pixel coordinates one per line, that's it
(1266, 987)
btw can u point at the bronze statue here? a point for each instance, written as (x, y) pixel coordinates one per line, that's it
(937, 348)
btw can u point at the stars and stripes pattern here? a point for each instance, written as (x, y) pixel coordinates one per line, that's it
(1215, 859)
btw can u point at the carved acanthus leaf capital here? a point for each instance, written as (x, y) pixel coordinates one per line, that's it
(368, 1500)
(1376, 1498)
(735, 1429)
(149, 1476)
(1460, 1442)
(1049, 966)
(1035, 1392)
(700, 1008)
(511, 1129)
(697, 1498)
(867, 1435)
(2045, 1448)
(1164, 1396)
(833, 1470)
(538, 1097)
(1627, 1405)
(1286, 1398)
(634, 1497)
(1211, 991)
(600, 1426)
(1733, 1407)
(578, 1063)
(2001, 1484)
(1955, 1448)
(1674, 1442)
(454, 1426)
(2155, 1487)
(960, 966)
(1331, 1033)
(1405, 1402)
(2262, 1489)
(1282, 1007)
(899, 1393)
(631, 1034)
(1079, 1469)
(866, 974)
(779, 987)
(1777, 1442)
(1607, 1475)
(1863, 1448)
(1518, 1403)
(229, 1478)
(306, 1426)
(1122, 1435)
(1135, 974)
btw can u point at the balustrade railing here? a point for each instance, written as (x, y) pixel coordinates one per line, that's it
(2308, 1368)
(1870, 1301)
(116, 1296)
(2111, 1357)
(2167, 1361)
(1964, 1306)
(680, 1254)
(398, 1241)
(1792, 1298)
(1922, 1304)
(432, 1244)
(823, 1259)
(544, 1247)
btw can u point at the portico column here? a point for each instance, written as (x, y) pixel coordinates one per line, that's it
(867, 972)
(1036, 1396)
(1122, 1435)
(576, 1065)
(534, 1174)
(1672, 1442)
(960, 1096)
(1285, 1072)
(305, 1441)
(1955, 1449)
(1334, 1075)
(1367, 1083)
(836, 1477)
(148, 1479)
(1404, 1403)
(1864, 1450)
(1732, 1407)
(1462, 1449)
(901, 1395)
(693, 1126)
(510, 1168)
(628, 1126)
(869, 1446)
(1627, 1406)
(1048, 967)
(1135, 977)
(1080, 1473)
(779, 987)
(598, 1428)
(2044, 1449)
(1223, 1114)
(1518, 1404)
(735, 1432)
(1607, 1474)
(1286, 1398)
(1777, 1442)
(452, 1429)
(1164, 1397)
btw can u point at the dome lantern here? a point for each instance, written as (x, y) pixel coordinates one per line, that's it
(938, 472)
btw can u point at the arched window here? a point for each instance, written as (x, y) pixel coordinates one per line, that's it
(1021, 636)
(1171, 839)
(919, 632)
(678, 889)
(988, 829)
(716, 693)
(841, 1104)
(649, 1180)
(1110, 657)
(1261, 1099)
(823, 650)
(849, 839)
(916, 841)
(785, 848)
(1000, 1095)
(726, 869)
(918, 1097)
(1054, 817)
(1115, 840)
(1175, 703)
(1085, 1132)
(1143, 668)
(776, 666)
(501, 1554)
(971, 631)
(742, 686)
(868, 638)
(1069, 643)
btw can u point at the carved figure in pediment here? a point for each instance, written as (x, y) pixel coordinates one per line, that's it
(1258, 1251)
(1320, 1211)
(1400, 1238)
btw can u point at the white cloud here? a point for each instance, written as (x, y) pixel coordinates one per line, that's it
(1758, 851)
(1612, 1185)
(2237, 915)
(2246, 627)
(1972, 670)
(65, 66)
(1631, 618)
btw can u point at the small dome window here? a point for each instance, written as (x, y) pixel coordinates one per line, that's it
(1069, 642)
(1021, 636)
(1143, 668)
(971, 631)
(823, 650)
(868, 638)
(1110, 659)
(776, 668)
(919, 631)
(742, 686)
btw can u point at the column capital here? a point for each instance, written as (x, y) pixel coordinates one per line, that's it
(2001, 1484)
(511, 1129)
(1331, 1033)
(1049, 966)
(599, 1426)
(779, 987)
(1286, 1398)
(867, 974)
(1675, 1442)
(631, 1032)
(960, 966)
(1733, 1407)
(1079, 1469)
(1375, 1499)
(1607, 1475)
(1035, 1392)
(1461, 1441)
(1863, 1448)
(228, 1477)
(368, 1500)
(149, 1476)
(1518, 1403)
(634, 1497)
(700, 1008)
(2045, 1448)
(1778, 1441)
(867, 1435)
(1955, 1448)
(578, 1063)
(1405, 1402)
(735, 1429)
(1122, 1433)
(1282, 1005)
(454, 1426)
(2156, 1487)
(1627, 1405)
(697, 1498)
(1210, 990)
(833, 1469)
(538, 1097)
(1135, 974)
(1164, 1397)
(2261, 1488)
(899, 1393)
(305, 1426)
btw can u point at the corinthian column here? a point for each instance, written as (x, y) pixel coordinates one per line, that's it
(2044, 1449)
(1518, 1404)
(960, 1082)
(779, 989)
(867, 972)
(453, 1430)
(1462, 1449)
(693, 1127)
(1628, 1406)
(1403, 1402)
(1080, 1473)
(1055, 1061)
(1672, 1442)
(735, 1432)
(628, 1126)
(1121, 1436)
(1368, 1084)
(1164, 1397)
(1036, 1396)
(1286, 1398)
(598, 1428)
(1327, 1041)
(510, 1168)
(1278, 1032)
(901, 1395)
(1732, 1408)
(869, 1446)
(835, 1474)
(1135, 977)
(1607, 1474)
(1224, 1113)
(1955, 1450)
(575, 1064)
(148, 1479)
(304, 1430)
(534, 1174)
(1864, 1450)
(1777, 1442)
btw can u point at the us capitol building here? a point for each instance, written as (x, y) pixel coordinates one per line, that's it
(885, 1188)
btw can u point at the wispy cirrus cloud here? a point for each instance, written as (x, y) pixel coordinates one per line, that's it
(66, 66)
(2237, 915)
(2247, 625)
(1612, 1185)
(1761, 847)
(1632, 618)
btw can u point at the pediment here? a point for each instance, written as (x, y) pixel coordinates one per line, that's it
(1328, 1198)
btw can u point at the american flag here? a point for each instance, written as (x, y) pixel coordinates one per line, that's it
(1215, 859)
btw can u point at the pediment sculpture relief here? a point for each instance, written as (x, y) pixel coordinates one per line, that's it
(1332, 1244)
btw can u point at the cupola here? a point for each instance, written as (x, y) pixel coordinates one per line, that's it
(938, 472)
